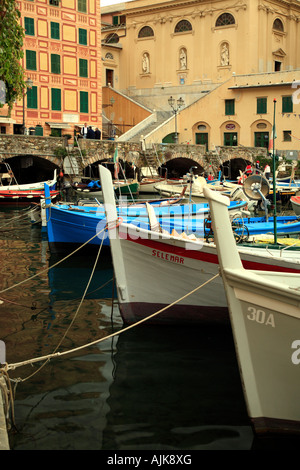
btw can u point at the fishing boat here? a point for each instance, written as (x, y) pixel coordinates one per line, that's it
(173, 277)
(295, 201)
(265, 318)
(92, 188)
(14, 186)
(69, 225)
(26, 196)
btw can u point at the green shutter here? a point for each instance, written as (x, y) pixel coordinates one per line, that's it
(55, 34)
(84, 102)
(30, 60)
(83, 68)
(32, 98)
(82, 6)
(229, 107)
(39, 130)
(261, 105)
(82, 36)
(29, 26)
(56, 99)
(55, 63)
(287, 104)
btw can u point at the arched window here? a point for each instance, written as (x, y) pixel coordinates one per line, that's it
(278, 25)
(146, 32)
(109, 56)
(182, 26)
(112, 38)
(225, 19)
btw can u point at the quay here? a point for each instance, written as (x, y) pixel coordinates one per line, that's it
(4, 442)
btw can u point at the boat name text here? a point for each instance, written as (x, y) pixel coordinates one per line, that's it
(260, 316)
(168, 256)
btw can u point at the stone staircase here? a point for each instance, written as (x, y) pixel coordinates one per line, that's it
(161, 117)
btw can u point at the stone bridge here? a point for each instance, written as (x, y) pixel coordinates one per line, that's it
(55, 149)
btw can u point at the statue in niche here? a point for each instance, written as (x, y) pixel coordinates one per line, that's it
(182, 59)
(224, 54)
(146, 63)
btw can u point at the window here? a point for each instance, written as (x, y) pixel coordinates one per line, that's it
(55, 34)
(287, 104)
(261, 139)
(230, 139)
(287, 136)
(225, 19)
(29, 26)
(83, 68)
(82, 36)
(229, 107)
(146, 32)
(56, 99)
(278, 25)
(119, 20)
(183, 26)
(55, 63)
(32, 98)
(55, 3)
(112, 38)
(81, 6)
(31, 60)
(261, 106)
(84, 102)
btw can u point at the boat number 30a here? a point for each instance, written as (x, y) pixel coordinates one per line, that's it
(260, 316)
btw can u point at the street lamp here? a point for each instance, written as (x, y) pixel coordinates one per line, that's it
(175, 109)
(29, 84)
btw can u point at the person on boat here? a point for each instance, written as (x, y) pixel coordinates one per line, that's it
(257, 167)
(248, 170)
(267, 171)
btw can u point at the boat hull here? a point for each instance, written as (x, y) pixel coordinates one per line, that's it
(295, 200)
(164, 270)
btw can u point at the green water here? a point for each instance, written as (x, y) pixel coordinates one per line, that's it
(151, 388)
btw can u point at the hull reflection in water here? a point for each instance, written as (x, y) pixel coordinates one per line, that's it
(176, 388)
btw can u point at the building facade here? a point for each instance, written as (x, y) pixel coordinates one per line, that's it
(62, 60)
(227, 60)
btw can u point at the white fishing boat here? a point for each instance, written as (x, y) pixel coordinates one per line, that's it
(155, 269)
(14, 186)
(265, 317)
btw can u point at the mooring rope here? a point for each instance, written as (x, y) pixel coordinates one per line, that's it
(17, 217)
(53, 266)
(8, 367)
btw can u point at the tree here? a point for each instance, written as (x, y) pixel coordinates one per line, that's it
(11, 53)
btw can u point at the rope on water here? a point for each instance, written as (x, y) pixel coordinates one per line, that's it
(46, 358)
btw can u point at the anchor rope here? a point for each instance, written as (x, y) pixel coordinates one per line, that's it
(8, 367)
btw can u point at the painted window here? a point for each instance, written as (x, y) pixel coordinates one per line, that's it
(82, 6)
(83, 68)
(82, 36)
(55, 63)
(32, 98)
(225, 19)
(29, 26)
(56, 99)
(84, 102)
(31, 60)
(55, 33)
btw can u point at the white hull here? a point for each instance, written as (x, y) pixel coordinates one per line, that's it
(30, 186)
(265, 318)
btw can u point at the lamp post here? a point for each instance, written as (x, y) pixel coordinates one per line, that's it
(175, 109)
(29, 84)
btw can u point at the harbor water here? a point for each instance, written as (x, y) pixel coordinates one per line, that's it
(148, 389)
